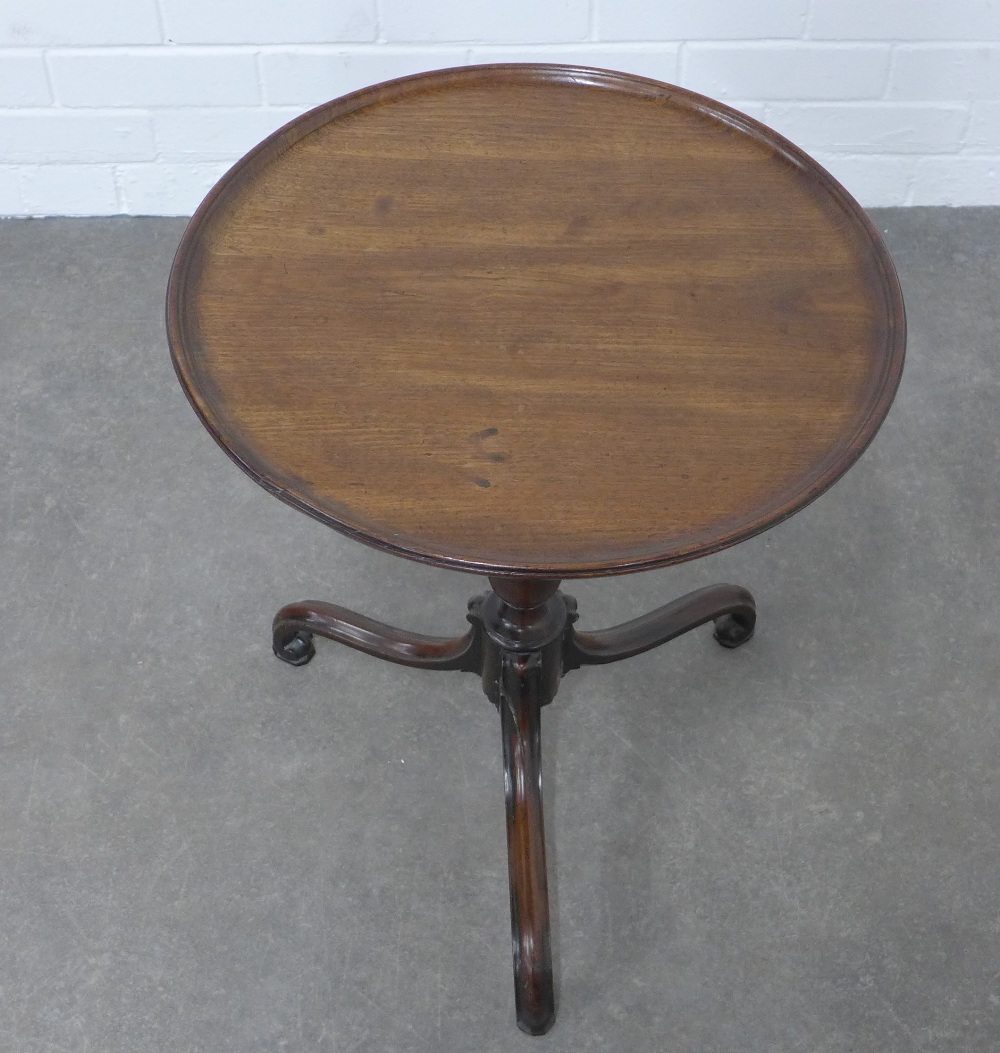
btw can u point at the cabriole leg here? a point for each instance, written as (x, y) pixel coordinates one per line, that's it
(520, 718)
(521, 641)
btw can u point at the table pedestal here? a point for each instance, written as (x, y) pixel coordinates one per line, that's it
(522, 640)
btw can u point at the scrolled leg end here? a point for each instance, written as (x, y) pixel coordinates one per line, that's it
(733, 630)
(295, 648)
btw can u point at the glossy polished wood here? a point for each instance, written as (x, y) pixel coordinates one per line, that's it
(520, 721)
(536, 320)
(523, 640)
(295, 625)
(732, 609)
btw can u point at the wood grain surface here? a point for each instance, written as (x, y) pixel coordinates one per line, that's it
(536, 320)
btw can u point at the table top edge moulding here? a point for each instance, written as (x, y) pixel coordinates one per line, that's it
(880, 385)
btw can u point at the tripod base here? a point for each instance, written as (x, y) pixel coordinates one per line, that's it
(522, 640)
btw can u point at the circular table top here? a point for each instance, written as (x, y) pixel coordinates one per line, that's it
(536, 320)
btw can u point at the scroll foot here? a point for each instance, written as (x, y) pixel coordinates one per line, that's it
(295, 648)
(733, 630)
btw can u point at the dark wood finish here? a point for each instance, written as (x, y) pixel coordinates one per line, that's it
(731, 608)
(521, 642)
(296, 624)
(521, 700)
(536, 320)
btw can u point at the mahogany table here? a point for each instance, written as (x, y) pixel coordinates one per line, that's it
(535, 323)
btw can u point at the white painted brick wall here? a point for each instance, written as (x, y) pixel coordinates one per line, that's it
(214, 134)
(700, 19)
(22, 80)
(91, 188)
(156, 189)
(949, 71)
(138, 106)
(66, 23)
(984, 127)
(786, 70)
(155, 77)
(71, 136)
(486, 21)
(969, 20)
(306, 78)
(871, 127)
(268, 22)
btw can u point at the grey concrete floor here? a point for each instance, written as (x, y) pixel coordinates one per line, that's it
(795, 846)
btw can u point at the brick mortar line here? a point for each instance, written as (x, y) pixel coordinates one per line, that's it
(121, 198)
(889, 74)
(161, 20)
(51, 80)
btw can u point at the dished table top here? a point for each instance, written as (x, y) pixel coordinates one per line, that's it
(536, 319)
